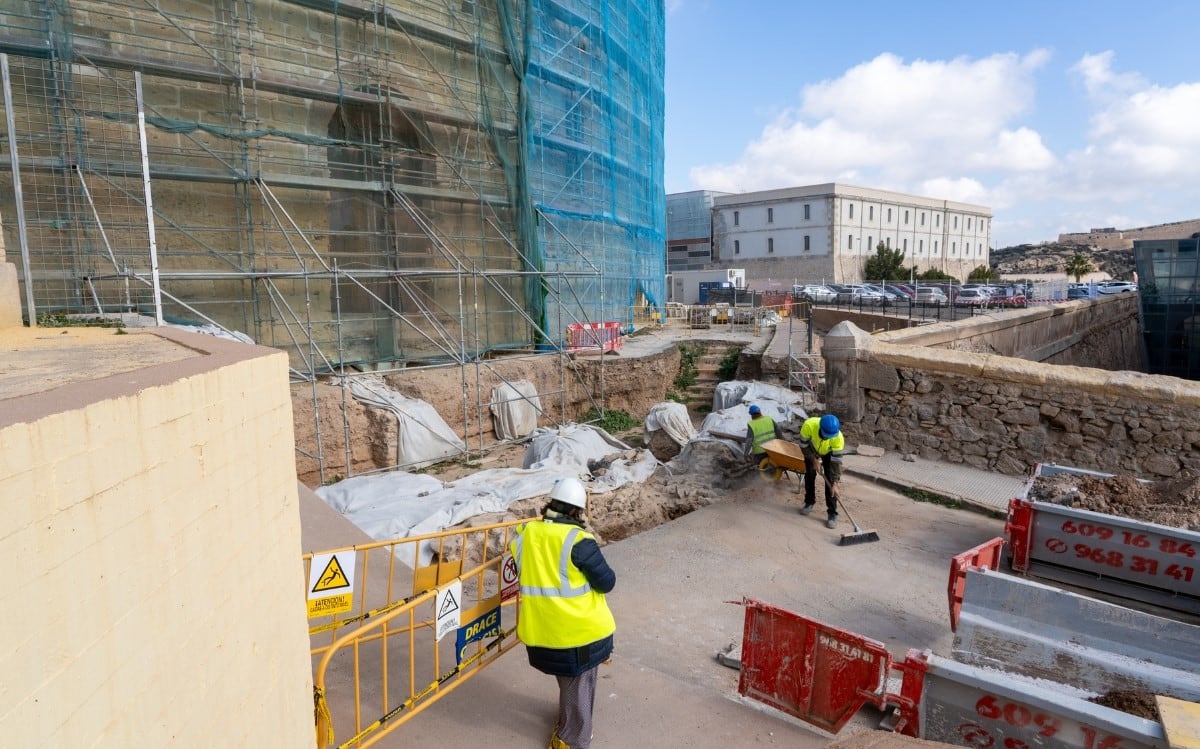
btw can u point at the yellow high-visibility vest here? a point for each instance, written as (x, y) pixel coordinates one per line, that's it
(558, 608)
(764, 431)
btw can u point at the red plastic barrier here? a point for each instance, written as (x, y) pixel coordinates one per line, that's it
(986, 554)
(820, 674)
(598, 336)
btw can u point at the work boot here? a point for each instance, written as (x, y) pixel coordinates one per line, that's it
(557, 743)
(831, 522)
(806, 509)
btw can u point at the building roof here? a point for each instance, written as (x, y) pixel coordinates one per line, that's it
(834, 189)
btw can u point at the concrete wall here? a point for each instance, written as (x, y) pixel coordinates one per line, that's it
(152, 534)
(1006, 414)
(1122, 239)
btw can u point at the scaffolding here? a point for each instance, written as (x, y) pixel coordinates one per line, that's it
(366, 185)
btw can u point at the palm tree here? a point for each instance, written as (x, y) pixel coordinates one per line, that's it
(1077, 266)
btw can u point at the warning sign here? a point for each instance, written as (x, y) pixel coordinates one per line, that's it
(510, 581)
(449, 608)
(330, 583)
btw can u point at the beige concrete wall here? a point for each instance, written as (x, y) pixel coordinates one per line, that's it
(152, 535)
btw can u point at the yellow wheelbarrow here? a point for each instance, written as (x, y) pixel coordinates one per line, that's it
(781, 456)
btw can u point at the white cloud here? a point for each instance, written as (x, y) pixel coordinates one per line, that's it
(956, 130)
(892, 124)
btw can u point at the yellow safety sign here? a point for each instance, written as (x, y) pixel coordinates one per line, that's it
(330, 584)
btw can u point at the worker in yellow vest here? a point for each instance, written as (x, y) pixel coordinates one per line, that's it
(822, 441)
(563, 617)
(761, 428)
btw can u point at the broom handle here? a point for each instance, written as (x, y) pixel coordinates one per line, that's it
(837, 495)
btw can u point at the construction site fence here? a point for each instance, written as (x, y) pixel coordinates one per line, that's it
(421, 616)
(588, 336)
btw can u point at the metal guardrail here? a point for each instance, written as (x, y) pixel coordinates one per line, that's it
(391, 646)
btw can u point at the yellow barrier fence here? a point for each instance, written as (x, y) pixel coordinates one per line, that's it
(429, 613)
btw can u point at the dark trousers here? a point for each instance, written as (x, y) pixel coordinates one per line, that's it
(810, 485)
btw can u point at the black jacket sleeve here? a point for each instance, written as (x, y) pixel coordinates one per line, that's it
(587, 557)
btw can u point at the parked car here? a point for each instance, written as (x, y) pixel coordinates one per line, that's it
(929, 295)
(1116, 287)
(1078, 292)
(819, 293)
(968, 297)
(902, 291)
(861, 294)
(889, 296)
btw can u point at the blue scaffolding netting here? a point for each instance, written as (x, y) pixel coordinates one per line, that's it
(350, 181)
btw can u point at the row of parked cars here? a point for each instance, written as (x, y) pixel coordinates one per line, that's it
(966, 295)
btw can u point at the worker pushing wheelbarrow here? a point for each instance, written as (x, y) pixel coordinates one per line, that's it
(818, 454)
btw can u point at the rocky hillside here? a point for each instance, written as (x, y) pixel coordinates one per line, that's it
(1052, 257)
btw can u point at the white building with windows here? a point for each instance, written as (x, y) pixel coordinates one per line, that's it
(827, 232)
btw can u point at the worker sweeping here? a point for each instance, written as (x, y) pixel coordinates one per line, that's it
(563, 617)
(821, 440)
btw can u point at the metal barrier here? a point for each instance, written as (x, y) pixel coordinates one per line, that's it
(593, 336)
(459, 582)
(986, 555)
(1145, 562)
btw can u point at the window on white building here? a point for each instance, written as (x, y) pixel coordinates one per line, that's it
(935, 247)
(922, 218)
(954, 248)
(905, 248)
(968, 224)
(937, 219)
(870, 213)
(770, 215)
(967, 249)
(807, 245)
(807, 211)
(737, 247)
(870, 243)
(737, 218)
(889, 218)
(920, 246)
(906, 218)
(956, 222)
(850, 242)
(770, 244)
(851, 210)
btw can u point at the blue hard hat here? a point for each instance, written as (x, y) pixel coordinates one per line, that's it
(830, 426)
(755, 410)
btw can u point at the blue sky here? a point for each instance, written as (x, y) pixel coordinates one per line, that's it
(1058, 115)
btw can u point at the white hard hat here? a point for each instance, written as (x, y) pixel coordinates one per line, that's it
(570, 491)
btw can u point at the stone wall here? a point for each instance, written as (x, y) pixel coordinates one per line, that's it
(567, 389)
(1005, 414)
(1123, 239)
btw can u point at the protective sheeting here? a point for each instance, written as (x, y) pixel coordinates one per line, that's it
(399, 504)
(777, 402)
(422, 436)
(589, 447)
(515, 408)
(671, 418)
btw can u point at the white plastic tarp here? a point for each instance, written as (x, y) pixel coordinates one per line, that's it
(515, 408)
(581, 444)
(671, 418)
(422, 436)
(779, 403)
(398, 504)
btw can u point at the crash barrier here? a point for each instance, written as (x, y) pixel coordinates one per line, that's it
(986, 555)
(409, 633)
(823, 675)
(593, 336)
(1146, 562)
(1048, 633)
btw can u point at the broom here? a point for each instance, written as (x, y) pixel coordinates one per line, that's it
(859, 536)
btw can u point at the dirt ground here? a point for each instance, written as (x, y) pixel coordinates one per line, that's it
(1173, 502)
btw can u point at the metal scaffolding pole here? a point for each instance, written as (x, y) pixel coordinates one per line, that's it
(15, 162)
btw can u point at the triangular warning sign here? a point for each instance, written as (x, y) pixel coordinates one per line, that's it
(332, 578)
(449, 605)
